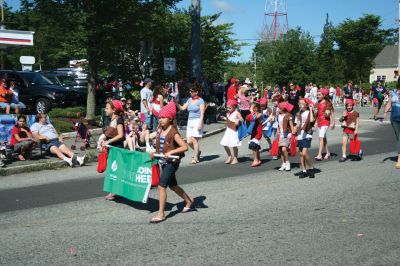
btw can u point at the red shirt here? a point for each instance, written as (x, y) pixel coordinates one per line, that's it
(257, 131)
(322, 120)
(338, 91)
(16, 131)
(231, 93)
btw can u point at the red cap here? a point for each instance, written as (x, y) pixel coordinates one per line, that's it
(285, 106)
(324, 91)
(168, 111)
(308, 101)
(349, 101)
(118, 106)
(234, 80)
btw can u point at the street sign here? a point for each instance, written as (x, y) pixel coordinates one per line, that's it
(169, 66)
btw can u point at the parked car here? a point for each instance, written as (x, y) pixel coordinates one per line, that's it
(38, 93)
(70, 83)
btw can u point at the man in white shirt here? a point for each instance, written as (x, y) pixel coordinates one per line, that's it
(47, 134)
(146, 98)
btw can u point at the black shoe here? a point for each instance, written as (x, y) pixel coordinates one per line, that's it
(342, 160)
(303, 175)
(311, 173)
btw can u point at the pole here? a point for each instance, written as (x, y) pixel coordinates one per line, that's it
(195, 46)
(2, 13)
(255, 68)
(398, 46)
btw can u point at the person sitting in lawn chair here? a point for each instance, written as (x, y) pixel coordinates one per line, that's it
(22, 139)
(53, 142)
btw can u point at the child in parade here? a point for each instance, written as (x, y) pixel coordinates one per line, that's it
(325, 118)
(268, 129)
(286, 129)
(276, 100)
(169, 142)
(350, 121)
(304, 123)
(256, 134)
(231, 136)
(114, 134)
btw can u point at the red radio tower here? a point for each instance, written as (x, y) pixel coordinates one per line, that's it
(275, 20)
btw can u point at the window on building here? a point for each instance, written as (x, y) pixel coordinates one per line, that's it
(382, 78)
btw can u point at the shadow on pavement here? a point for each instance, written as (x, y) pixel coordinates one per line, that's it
(209, 158)
(393, 159)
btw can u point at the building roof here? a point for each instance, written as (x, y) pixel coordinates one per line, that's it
(387, 57)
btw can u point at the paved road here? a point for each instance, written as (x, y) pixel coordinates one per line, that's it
(348, 215)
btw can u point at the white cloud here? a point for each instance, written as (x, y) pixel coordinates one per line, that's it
(223, 6)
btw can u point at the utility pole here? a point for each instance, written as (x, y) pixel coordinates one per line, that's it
(195, 46)
(398, 48)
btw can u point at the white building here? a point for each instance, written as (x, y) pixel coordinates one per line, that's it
(385, 64)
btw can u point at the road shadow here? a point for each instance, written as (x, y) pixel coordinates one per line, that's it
(198, 203)
(392, 158)
(152, 205)
(208, 158)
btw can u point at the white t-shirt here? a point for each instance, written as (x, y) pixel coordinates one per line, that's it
(46, 130)
(303, 134)
(280, 121)
(145, 94)
(332, 91)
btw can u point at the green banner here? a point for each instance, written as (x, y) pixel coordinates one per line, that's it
(128, 174)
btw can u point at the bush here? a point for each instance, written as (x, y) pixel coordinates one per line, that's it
(62, 126)
(70, 112)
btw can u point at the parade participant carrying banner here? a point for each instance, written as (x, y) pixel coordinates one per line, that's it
(128, 174)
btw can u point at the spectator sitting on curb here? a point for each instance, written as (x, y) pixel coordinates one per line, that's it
(15, 103)
(53, 142)
(5, 96)
(22, 139)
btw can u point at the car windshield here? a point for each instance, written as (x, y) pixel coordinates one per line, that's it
(36, 78)
(67, 80)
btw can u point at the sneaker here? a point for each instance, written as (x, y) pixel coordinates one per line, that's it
(342, 160)
(360, 154)
(81, 159)
(287, 167)
(275, 158)
(69, 161)
(150, 149)
(283, 166)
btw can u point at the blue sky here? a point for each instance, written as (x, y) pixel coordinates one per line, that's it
(248, 15)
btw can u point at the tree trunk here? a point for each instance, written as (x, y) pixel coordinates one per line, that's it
(91, 98)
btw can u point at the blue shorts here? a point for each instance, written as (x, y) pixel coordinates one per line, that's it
(4, 105)
(19, 105)
(168, 177)
(304, 144)
(52, 142)
(147, 120)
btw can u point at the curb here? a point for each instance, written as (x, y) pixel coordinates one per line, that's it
(53, 165)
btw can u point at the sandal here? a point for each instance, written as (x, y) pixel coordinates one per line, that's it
(317, 158)
(156, 220)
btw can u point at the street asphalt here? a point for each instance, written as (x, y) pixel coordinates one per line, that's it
(348, 215)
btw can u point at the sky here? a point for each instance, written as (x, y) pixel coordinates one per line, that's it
(310, 15)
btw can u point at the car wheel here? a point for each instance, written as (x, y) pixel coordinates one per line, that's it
(42, 105)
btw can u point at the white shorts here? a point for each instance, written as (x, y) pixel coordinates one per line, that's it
(192, 129)
(322, 131)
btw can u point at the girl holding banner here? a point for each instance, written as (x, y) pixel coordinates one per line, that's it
(169, 142)
(114, 132)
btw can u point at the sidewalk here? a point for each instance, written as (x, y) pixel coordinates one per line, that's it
(47, 162)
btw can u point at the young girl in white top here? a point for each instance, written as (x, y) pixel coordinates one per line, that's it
(304, 123)
(231, 137)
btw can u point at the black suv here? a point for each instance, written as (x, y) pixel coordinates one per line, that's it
(69, 82)
(38, 93)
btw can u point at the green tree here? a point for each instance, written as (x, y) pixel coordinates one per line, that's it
(326, 56)
(289, 59)
(359, 42)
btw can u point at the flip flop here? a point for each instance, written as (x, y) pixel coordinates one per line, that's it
(157, 220)
(187, 209)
